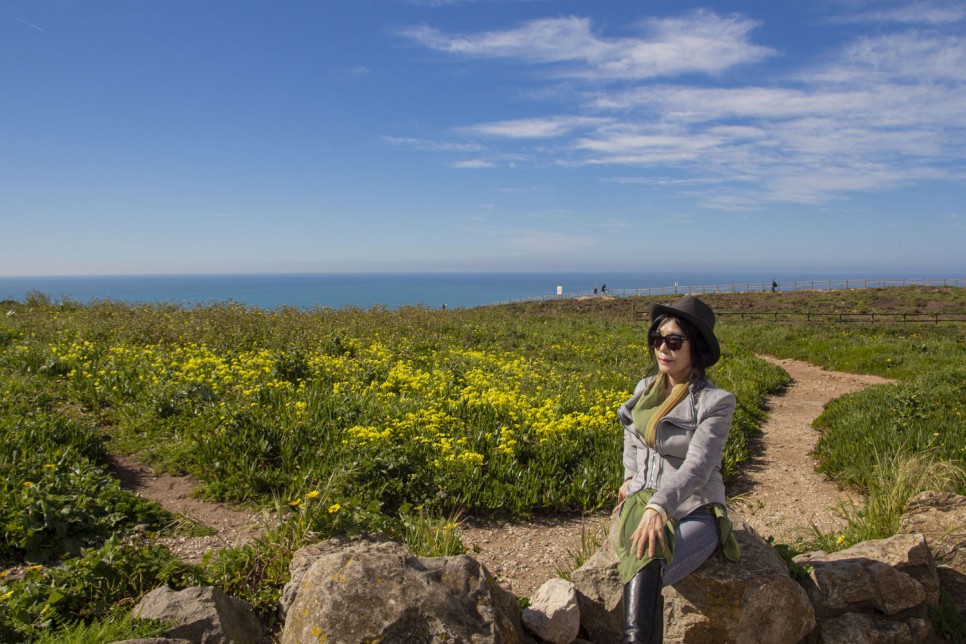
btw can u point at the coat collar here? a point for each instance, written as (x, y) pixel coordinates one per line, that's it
(684, 411)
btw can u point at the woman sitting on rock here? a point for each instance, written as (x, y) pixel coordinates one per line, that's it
(672, 501)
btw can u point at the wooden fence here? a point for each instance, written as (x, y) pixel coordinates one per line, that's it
(779, 316)
(749, 287)
(790, 316)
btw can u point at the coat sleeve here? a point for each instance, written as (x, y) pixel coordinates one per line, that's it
(630, 453)
(632, 442)
(704, 453)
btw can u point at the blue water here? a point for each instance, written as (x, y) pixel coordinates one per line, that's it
(389, 290)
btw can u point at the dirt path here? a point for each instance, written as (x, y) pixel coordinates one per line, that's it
(232, 528)
(780, 494)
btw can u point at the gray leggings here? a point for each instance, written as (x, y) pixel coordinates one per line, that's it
(695, 538)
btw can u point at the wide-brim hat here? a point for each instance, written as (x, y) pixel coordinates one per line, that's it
(698, 314)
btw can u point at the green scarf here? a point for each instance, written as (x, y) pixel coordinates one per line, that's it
(652, 406)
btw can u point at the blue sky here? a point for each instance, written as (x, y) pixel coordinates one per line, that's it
(221, 136)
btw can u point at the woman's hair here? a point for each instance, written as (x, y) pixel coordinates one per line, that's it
(700, 351)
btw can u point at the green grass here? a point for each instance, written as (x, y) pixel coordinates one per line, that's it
(343, 421)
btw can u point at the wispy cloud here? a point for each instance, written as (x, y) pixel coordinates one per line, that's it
(535, 128)
(473, 164)
(428, 145)
(29, 24)
(905, 13)
(881, 111)
(701, 42)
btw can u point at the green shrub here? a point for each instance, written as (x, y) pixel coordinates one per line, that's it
(90, 587)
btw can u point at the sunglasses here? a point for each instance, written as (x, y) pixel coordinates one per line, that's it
(673, 341)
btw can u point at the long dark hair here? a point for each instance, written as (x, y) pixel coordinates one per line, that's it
(700, 351)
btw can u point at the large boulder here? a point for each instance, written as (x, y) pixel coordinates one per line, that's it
(754, 600)
(905, 553)
(202, 615)
(375, 591)
(879, 587)
(941, 518)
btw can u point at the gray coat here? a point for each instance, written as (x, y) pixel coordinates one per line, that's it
(685, 464)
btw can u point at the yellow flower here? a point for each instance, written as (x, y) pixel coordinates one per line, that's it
(335, 507)
(28, 484)
(295, 503)
(840, 540)
(34, 568)
(311, 495)
(6, 595)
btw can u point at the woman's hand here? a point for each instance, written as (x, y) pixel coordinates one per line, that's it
(622, 494)
(649, 534)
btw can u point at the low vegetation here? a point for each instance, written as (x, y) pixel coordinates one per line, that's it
(345, 421)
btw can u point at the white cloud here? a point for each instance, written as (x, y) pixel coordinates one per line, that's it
(881, 111)
(431, 146)
(535, 128)
(472, 164)
(701, 42)
(907, 13)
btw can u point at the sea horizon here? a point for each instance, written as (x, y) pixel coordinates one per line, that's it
(453, 289)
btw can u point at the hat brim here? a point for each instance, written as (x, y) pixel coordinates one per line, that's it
(706, 332)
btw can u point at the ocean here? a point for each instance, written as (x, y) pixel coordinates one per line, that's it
(393, 290)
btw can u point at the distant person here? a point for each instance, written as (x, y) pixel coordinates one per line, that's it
(603, 289)
(774, 285)
(672, 510)
(595, 291)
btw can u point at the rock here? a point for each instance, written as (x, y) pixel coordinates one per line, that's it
(600, 595)
(886, 575)
(202, 615)
(865, 591)
(754, 600)
(941, 519)
(908, 553)
(862, 585)
(853, 628)
(302, 560)
(376, 591)
(553, 615)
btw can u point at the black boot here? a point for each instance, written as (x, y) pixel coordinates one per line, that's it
(644, 606)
